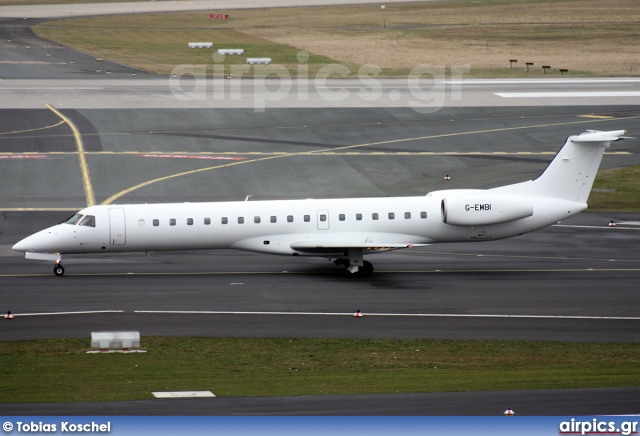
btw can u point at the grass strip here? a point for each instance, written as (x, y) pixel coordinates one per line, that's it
(616, 190)
(61, 371)
(587, 37)
(159, 43)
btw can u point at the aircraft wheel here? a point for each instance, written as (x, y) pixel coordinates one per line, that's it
(58, 269)
(366, 269)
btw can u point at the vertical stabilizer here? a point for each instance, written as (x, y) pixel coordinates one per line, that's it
(571, 174)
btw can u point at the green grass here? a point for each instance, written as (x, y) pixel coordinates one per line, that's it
(619, 191)
(61, 371)
(159, 42)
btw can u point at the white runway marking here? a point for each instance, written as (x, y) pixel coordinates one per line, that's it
(562, 94)
(184, 394)
(542, 81)
(419, 315)
(50, 88)
(617, 227)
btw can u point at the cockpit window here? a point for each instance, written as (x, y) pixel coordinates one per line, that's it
(74, 219)
(82, 220)
(88, 221)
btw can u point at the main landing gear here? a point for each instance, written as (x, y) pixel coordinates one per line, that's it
(364, 270)
(58, 269)
(354, 263)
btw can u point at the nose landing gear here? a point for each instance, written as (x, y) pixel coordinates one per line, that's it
(58, 269)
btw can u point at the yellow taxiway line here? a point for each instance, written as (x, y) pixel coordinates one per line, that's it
(350, 148)
(84, 167)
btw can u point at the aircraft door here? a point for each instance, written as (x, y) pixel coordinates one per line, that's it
(323, 219)
(117, 226)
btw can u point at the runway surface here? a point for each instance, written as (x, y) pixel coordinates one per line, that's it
(583, 288)
(576, 402)
(527, 288)
(70, 137)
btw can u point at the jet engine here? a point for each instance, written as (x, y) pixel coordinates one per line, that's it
(480, 210)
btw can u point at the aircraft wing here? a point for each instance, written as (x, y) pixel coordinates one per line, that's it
(321, 247)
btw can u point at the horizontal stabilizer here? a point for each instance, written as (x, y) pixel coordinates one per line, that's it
(598, 136)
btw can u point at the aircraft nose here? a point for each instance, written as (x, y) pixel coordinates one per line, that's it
(21, 246)
(38, 242)
(27, 244)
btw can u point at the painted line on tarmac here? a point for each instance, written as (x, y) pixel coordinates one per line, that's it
(595, 116)
(204, 154)
(84, 167)
(87, 312)
(190, 156)
(50, 88)
(562, 94)
(413, 271)
(514, 256)
(120, 194)
(381, 314)
(541, 81)
(15, 132)
(616, 227)
(38, 209)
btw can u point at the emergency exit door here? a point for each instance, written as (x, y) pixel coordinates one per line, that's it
(117, 226)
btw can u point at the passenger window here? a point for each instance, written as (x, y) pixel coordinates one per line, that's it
(256, 219)
(274, 219)
(88, 221)
(323, 217)
(224, 220)
(341, 217)
(423, 215)
(172, 222)
(140, 223)
(207, 221)
(307, 218)
(189, 221)
(156, 223)
(392, 216)
(359, 216)
(240, 220)
(289, 218)
(407, 215)
(374, 216)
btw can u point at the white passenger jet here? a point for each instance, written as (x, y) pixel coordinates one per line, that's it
(342, 230)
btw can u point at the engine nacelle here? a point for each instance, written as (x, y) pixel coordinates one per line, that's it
(480, 210)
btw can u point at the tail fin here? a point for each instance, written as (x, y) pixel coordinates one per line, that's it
(571, 173)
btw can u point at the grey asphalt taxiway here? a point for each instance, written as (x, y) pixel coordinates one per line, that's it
(80, 139)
